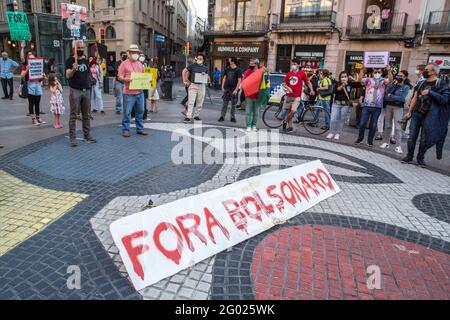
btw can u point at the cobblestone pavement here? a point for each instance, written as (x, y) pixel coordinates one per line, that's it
(388, 214)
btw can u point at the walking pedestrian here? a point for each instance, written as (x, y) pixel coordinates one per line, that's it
(231, 83)
(57, 107)
(341, 105)
(185, 78)
(394, 102)
(429, 113)
(293, 84)
(197, 79)
(132, 98)
(97, 96)
(34, 92)
(7, 67)
(373, 102)
(80, 83)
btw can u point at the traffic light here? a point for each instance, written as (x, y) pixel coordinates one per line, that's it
(102, 36)
(187, 49)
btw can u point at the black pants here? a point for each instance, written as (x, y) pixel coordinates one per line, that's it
(416, 132)
(5, 84)
(34, 105)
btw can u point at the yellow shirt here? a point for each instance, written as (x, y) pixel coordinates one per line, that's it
(326, 82)
(103, 66)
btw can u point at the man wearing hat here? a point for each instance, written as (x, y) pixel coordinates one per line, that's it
(132, 98)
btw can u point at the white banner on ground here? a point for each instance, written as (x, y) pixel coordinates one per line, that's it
(160, 242)
(36, 69)
(376, 59)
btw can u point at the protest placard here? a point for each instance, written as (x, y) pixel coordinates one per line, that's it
(74, 21)
(141, 81)
(160, 242)
(154, 73)
(376, 59)
(18, 26)
(36, 69)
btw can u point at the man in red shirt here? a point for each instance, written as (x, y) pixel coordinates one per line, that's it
(293, 84)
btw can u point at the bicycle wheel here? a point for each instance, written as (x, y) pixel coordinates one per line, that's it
(314, 120)
(271, 116)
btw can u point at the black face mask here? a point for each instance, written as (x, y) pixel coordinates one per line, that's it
(4, 59)
(80, 53)
(426, 74)
(252, 67)
(124, 58)
(399, 80)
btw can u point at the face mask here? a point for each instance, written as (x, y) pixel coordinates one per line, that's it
(142, 59)
(294, 68)
(135, 57)
(417, 72)
(124, 58)
(344, 79)
(426, 74)
(377, 76)
(399, 80)
(80, 53)
(200, 62)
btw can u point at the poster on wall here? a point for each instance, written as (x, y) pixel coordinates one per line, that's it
(74, 21)
(443, 61)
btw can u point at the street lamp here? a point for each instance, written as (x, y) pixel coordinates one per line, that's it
(170, 10)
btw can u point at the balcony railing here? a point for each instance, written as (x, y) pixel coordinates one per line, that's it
(439, 22)
(305, 21)
(228, 25)
(395, 27)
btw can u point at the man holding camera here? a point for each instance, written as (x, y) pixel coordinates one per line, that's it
(429, 112)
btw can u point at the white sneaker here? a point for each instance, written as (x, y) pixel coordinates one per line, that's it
(330, 136)
(249, 129)
(399, 150)
(337, 137)
(385, 146)
(255, 130)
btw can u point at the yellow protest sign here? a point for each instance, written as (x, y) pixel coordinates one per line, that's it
(358, 66)
(154, 73)
(140, 81)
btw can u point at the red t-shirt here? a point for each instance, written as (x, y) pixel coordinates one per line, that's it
(294, 80)
(247, 74)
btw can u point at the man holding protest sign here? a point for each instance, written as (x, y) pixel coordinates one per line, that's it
(7, 67)
(80, 82)
(133, 97)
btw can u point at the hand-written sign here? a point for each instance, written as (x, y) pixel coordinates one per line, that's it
(74, 21)
(376, 59)
(141, 81)
(157, 243)
(18, 26)
(36, 69)
(154, 73)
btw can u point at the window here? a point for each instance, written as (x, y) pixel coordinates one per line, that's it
(243, 14)
(110, 33)
(306, 7)
(91, 5)
(26, 5)
(112, 3)
(90, 34)
(46, 6)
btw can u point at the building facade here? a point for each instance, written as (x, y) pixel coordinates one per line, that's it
(330, 34)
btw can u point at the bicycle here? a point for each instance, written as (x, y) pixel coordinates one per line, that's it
(311, 117)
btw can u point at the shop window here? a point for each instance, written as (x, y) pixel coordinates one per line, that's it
(26, 4)
(46, 6)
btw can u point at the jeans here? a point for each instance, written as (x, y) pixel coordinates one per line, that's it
(133, 101)
(79, 99)
(196, 99)
(5, 84)
(35, 88)
(396, 114)
(416, 124)
(372, 113)
(97, 98)
(326, 104)
(227, 97)
(118, 93)
(252, 113)
(338, 117)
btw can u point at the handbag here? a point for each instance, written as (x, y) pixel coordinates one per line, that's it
(23, 89)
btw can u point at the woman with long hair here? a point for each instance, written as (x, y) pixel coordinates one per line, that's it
(34, 92)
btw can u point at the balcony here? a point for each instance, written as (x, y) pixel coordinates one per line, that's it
(394, 28)
(439, 24)
(252, 26)
(319, 21)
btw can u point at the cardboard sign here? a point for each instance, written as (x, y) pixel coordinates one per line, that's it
(160, 242)
(74, 21)
(18, 26)
(376, 59)
(442, 61)
(141, 81)
(201, 78)
(36, 69)
(154, 73)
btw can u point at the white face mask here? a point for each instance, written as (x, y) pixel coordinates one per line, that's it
(135, 56)
(141, 59)
(417, 72)
(377, 76)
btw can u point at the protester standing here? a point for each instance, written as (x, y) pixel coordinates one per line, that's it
(216, 76)
(325, 93)
(185, 78)
(132, 98)
(7, 67)
(80, 82)
(97, 96)
(231, 83)
(196, 89)
(34, 92)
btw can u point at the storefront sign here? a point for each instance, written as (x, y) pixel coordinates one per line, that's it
(311, 57)
(443, 61)
(18, 26)
(231, 49)
(74, 21)
(376, 59)
(160, 38)
(160, 242)
(36, 69)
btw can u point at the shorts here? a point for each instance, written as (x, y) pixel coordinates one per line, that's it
(34, 88)
(292, 103)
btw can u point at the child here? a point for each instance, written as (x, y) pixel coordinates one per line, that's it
(154, 97)
(56, 101)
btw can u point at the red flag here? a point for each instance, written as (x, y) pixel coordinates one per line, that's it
(252, 84)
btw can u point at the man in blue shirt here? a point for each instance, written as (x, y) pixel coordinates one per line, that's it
(7, 67)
